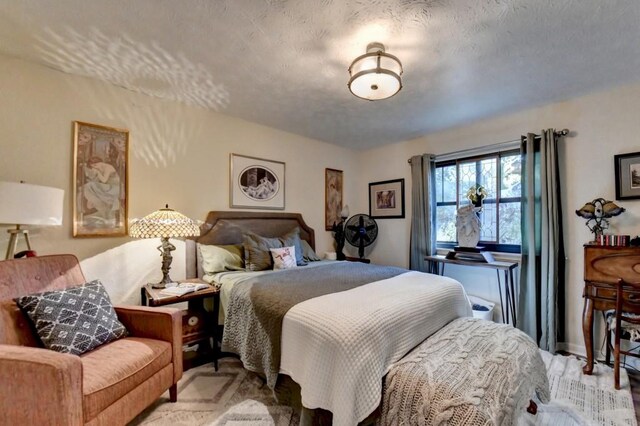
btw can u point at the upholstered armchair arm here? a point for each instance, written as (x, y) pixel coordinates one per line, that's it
(156, 323)
(40, 386)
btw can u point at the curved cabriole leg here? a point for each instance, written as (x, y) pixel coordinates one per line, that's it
(587, 331)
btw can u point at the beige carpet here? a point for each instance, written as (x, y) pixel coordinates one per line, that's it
(234, 396)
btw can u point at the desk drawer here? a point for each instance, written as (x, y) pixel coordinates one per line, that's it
(608, 292)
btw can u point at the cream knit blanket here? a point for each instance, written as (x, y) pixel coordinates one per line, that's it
(471, 372)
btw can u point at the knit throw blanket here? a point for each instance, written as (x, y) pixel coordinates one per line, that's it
(471, 372)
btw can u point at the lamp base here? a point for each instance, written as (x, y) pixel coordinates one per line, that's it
(159, 285)
(13, 240)
(165, 249)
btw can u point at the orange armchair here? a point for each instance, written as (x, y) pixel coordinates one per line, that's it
(108, 385)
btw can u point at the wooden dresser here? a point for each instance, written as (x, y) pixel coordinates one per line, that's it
(603, 266)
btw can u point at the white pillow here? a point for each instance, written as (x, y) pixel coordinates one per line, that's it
(284, 257)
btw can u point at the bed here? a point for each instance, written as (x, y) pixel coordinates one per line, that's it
(334, 328)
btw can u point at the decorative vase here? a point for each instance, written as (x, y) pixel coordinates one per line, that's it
(468, 226)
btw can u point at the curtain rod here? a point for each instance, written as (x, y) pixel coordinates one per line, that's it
(563, 132)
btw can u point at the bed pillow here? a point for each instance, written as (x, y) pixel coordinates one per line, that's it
(221, 258)
(74, 320)
(307, 252)
(257, 256)
(284, 257)
(292, 238)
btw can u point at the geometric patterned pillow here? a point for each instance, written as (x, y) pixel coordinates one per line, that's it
(74, 320)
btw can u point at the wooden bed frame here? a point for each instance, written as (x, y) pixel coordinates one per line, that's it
(218, 228)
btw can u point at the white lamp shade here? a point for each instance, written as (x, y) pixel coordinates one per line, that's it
(26, 204)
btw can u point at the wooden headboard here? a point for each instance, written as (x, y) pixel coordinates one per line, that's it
(213, 231)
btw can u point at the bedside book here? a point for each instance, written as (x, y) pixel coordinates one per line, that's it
(183, 288)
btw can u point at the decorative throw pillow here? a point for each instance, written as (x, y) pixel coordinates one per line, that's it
(292, 238)
(283, 258)
(74, 320)
(256, 251)
(307, 252)
(221, 258)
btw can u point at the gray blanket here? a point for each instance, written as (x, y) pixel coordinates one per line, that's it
(253, 322)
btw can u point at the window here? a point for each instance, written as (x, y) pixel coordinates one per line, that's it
(499, 173)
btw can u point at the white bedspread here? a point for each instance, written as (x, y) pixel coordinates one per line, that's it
(339, 346)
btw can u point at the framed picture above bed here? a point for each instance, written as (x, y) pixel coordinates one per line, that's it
(332, 197)
(627, 168)
(100, 180)
(256, 183)
(386, 199)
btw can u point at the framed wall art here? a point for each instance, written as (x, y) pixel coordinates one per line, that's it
(627, 168)
(256, 183)
(332, 197)
(386, 199)
(100, 180)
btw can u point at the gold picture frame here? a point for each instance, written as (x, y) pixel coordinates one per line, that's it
(100, 180)
(333, 197)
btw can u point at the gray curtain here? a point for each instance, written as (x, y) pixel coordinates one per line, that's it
(423, 236)
(541, 299)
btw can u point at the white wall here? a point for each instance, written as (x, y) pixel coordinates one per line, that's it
(602, 124)
(178, 155)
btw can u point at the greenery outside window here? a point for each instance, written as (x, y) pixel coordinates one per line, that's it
(499, 173)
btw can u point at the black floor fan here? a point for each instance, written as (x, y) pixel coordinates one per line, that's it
(361, 231)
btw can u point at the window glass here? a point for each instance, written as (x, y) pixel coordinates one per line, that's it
(446, 223)
(510, 223)
(467, 177)
(488, 220)
(510, 185)
(499, 174)
(449, 183)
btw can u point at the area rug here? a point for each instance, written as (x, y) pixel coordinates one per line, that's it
(580, 400)
(234, 396)
(230, 396)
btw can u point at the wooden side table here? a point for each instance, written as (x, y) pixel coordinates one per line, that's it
(198, 324)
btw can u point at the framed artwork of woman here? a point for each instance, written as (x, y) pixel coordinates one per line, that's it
(100, 179)
(332, 198)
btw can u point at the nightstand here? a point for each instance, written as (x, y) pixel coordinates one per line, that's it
(198, 324)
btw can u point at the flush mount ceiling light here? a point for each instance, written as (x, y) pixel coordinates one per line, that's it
(376, 74)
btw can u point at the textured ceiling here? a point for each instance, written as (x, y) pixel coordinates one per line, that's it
(284, 63)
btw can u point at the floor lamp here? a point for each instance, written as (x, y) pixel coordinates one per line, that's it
(24, 204)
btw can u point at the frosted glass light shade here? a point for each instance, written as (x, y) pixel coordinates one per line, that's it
(164, 223)
(26, 204)
(376, 74)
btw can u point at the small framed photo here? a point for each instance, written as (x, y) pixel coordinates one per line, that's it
(332, 197)
(386, 199)
(627, 168)
(256, 183)
(100, 180)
